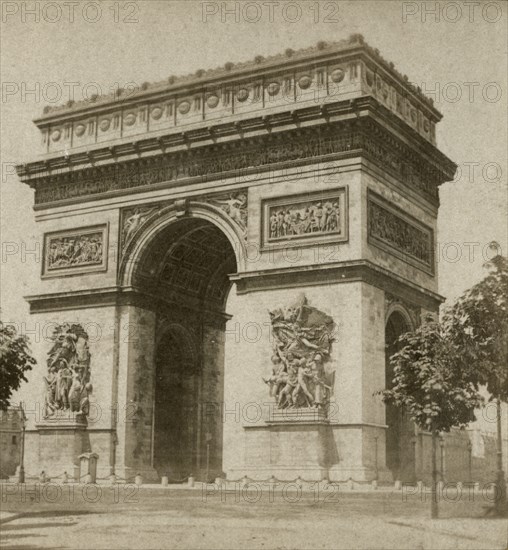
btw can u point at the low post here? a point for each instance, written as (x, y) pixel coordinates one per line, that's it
(441, 457)
(376, 468)
(434, 512)
(470, 460)
(88, 467)
(208, 440)
(501, 504)
(21, 478)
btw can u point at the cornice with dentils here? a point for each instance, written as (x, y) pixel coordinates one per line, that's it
(153, 146)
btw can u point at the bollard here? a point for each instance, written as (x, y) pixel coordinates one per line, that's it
(164, 481)
(190, 481)
(138, 480)
(440, 487)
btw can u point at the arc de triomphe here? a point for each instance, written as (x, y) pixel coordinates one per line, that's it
(227, 258)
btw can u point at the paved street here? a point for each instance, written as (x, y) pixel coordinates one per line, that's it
(181, 518)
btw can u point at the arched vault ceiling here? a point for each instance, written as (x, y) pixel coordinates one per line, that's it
(190, 258)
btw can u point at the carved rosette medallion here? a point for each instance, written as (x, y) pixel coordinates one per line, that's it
(67, 382)
(302, 339)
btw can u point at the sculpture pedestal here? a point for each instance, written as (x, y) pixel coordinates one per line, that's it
(292, 443)
(297, 416)
(61, 440)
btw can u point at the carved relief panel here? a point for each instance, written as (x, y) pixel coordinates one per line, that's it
(305, 219)
(398, 233)
(75, 251)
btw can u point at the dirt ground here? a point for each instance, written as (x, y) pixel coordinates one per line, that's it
(106, 517)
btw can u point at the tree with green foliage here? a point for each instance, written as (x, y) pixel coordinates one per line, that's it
(479, 334)
(15, 360)
(428, 385)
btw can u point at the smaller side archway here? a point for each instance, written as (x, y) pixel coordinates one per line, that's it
(400, 434)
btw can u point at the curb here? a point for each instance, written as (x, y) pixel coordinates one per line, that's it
(12, 517)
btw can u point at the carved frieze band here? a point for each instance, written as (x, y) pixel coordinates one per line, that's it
(400, 234)
(305, 219)
(365, 137)
(75, 251)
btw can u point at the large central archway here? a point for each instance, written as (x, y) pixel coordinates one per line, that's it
(182, 266)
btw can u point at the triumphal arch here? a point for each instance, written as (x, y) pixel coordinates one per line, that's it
(227, 259)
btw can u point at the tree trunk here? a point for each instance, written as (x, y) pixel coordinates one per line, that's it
(434, 512)
(501, 505)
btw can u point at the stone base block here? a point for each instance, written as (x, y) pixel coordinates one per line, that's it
(288, 448)
(60, 442)
(304, 444)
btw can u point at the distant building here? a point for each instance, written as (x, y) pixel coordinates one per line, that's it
(10, 441)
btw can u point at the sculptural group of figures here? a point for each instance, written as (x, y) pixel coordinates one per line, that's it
(77, 250)
(67, 383)
(315, 218)
(302, 342)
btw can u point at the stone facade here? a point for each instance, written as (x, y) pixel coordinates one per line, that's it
(315, 174)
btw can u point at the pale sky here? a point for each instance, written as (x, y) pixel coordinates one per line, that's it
(459, 55)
